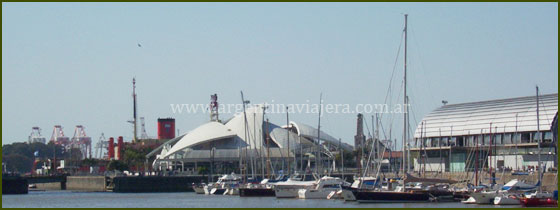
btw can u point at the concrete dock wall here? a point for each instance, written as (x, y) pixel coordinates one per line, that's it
(156, 183)
(86, 183)
(14, 185)
(51, 186)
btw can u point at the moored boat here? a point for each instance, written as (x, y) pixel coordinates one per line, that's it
(290, 188)
(484, 197)
(368, 196)
(263, 189)
(198, 188)
(322, 189)
(506, 199)
(539, 200)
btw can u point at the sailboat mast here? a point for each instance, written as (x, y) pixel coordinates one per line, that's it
(288, 134)
(320, 162)
(405, 123)
(268, 163)
(341, 151)
(539, 142)
(516, 149)
(477, 159)
(490, 153)
(241, 164)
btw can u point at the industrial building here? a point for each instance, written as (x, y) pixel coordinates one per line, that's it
(247, 137)
(501, 133)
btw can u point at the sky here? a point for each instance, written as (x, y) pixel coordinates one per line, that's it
(72, 63)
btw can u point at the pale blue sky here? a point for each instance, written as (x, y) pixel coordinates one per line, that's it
(72, 63)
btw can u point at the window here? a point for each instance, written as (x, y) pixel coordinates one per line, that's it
(548, 136)
(471, 141)
(435, 142)
(486, 140)
(498, 139)
(443, 141)
(459, 142)
(516, 138)
(507, 138)
(525, 137)
(453, 141)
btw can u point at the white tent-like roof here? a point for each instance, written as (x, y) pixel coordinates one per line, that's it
(311, 133)
(204, 133)
(247, 128)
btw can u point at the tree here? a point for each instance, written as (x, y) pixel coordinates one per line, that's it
(134, 157)
(202, 170)
(117, 165)
(18, 163)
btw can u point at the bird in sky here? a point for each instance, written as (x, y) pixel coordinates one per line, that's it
(139, 45)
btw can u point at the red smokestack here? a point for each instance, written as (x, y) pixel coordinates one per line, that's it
(120, 148)
(111, 148)
(166, 128)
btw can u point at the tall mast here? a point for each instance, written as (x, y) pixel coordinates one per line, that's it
(405, 166)
(268, 163)
(341, 151)
(319, 163)
(288, 134)
(490, 153)
(243, 167)
(421, 156)
(135, 120)
(476, 160)
(516, 149)
(539, 142)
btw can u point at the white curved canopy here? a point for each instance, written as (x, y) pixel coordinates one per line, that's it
(311, 133)
(280, 136)
(204, 133)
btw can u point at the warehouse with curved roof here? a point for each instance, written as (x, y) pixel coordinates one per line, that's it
(504, 130)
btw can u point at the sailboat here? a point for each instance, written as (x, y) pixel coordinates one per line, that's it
(539, 198)
(400, 194)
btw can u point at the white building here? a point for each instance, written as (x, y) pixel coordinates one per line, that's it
(504, 132)
(244, 136)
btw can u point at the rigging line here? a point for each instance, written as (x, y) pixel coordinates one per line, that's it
(393, 72)
(367, 127)
(413, 115)
(422, 64)
(544, 109)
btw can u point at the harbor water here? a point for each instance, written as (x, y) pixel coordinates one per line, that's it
(70, 199)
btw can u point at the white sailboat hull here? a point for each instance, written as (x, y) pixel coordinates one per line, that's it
(506, 200)
(484, 197)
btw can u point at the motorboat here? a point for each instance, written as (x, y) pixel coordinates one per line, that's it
(229, 181)
(290, 188)
(322, 188)
(198, 188)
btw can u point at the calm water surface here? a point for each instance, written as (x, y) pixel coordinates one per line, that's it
(69, 199)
